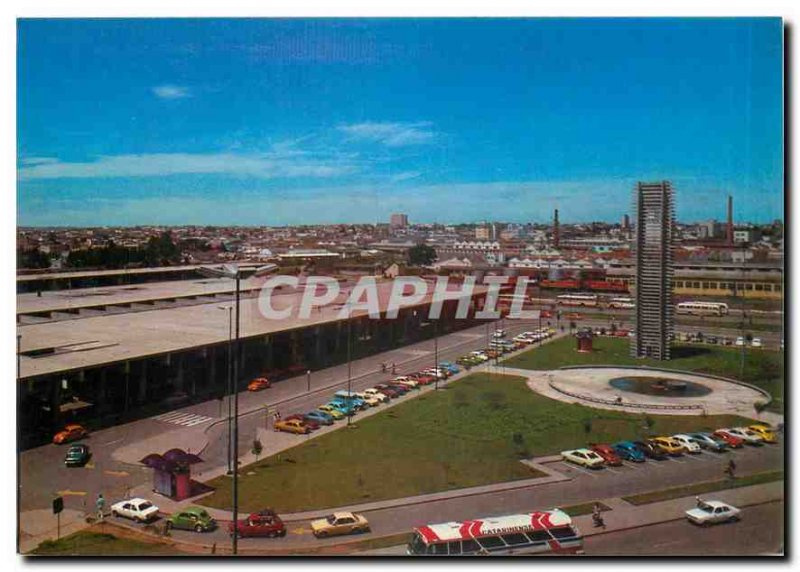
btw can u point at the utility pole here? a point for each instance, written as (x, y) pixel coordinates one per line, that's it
(349, 369)
(236, 426)
(436, 354)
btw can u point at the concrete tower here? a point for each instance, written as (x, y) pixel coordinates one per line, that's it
(654, 216)
(556, 237)
(730, 220)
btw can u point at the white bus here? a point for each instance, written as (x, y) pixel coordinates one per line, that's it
(621, 303)
(702, 308)
(544, 532)
(577, 299)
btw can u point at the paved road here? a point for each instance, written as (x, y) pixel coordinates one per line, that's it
(759, 532)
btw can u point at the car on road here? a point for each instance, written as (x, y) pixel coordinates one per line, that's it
(499, 333)
(377, 394)
(137, 509)
(731, 440)
(709, 442)
(77, 455)
(607, 453)
(71, 432)
(339, 523)
(573, 316)
(628, 451)
(688, 443)
(767, 433)
(192, 518)
(712, 512)
(749, 437)
(757, 343)
(332, 411)
(259, 524)
(650, 451)
(319, 417)
(258, 384)
(292, 426)
(669, 445)
(584, 457)
(312, 425)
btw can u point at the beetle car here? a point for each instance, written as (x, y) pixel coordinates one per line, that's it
(706, 441)
(348, 409)
(319, 417)
(731, 440)
(264, 523)
(669, 445)
(339, 523)
(607, 453)
(688, 443)
(452, 368)
(258, 384)
(370, 400)
(405, 380)
(71, 432)
(711, 512)
(766, 433)
(377, 394)
(77, 455)
(192, 518)
(584, 457)
(312, 425)
(650, 451)
(391, 391)
(292, 426)
(628, 451)
(138, 509)
(332, 411)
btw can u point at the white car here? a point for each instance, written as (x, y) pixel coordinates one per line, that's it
(480, 355)
(140, 510)
(370, 400)
(499, 334)
(523, 339)
(435, 372)
(750, 437)
(740, 341)
(757, 343)
(688, 443)
(711, 512)
(584, 457)
(405, 380)
(372, 392)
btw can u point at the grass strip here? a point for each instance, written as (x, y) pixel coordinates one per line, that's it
(704, 487)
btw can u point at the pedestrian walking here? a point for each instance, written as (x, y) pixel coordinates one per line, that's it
(597, 516)
(730, 469)
(100, 504)
(383, 368)
(394, 369)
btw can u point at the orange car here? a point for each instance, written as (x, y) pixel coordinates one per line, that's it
(71, 432)
(258, 384)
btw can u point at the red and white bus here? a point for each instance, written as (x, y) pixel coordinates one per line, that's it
(577, 299)
(621, 303)
(543, 532)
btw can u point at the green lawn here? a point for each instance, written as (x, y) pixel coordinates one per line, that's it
(87, 543)
(763, 368)
(472, 433)
(705, 487)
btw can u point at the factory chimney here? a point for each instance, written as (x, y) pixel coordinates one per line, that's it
(730, 220)
(555, 229)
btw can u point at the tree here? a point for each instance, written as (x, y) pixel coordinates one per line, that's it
(421, 255)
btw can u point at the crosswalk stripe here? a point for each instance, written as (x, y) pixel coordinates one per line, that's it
(183, 419)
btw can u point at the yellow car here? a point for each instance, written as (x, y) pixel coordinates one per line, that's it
(332, 411)
(339, 523)
(766, 433)
(668, 445)
(292, 426)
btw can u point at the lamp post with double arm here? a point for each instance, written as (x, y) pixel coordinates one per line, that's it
(236, 273)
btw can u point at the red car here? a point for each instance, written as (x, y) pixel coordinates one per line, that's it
(391, 390)
(608, 454)
(313, 425)
(264, 523)
(546, 314)
(732, 440)
(258, 384)
(422, 378)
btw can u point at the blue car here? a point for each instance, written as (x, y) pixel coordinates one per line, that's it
(628, 451)
(707, 441)
(319, 417)
(345, 408)
(452, 368)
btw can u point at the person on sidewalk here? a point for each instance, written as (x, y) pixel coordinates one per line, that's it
(730, 469)
(100, 504)
(394, 369)
(597, 516)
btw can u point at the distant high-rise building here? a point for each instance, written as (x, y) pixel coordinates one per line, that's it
(556, 235)
(654, 217)
(730, 221)
(626, 222)
(483, 232)
(398, 221)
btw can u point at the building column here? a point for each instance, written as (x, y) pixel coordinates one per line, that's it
(141, 396)
(179, 379)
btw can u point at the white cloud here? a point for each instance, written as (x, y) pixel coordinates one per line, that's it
(38, 160)
(265, 166)
(168, 91)
(391, 134)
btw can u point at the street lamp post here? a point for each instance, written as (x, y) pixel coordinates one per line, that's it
(436, 354)
(230, 382)
(236, 273)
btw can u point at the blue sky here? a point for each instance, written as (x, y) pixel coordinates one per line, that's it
(271, 122)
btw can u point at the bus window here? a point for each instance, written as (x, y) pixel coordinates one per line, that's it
(562, 532)
(490, 542)
(417, 545)
(513, 539)
(538, 536)
(455, 548)
(469, 546)
(440, 549)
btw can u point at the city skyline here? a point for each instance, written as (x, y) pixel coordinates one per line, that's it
(277, 123)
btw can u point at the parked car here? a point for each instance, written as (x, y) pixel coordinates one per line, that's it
(709, 442)
(628, 451)
(749, 437)
(319, 417)
(312, 425)
(405, 380)
(765, 432)
(339, 523)
(669, 445)
(452, 368)
(584, 457)
(499, 333)
(292, 426)
(757, 343)
(377, 394)
(137, 509)
(423, 378)
(481, 356)
(347, 409)
(712, 512)
(732, 441)
(77, 455)
(258, 384)
(650, 451)
(392, 392)
(259, 524)
(192, 518)
(607, 453)
(71, 432)
(399, 387)
(332, 411)
(688, 443)
(740, 341)
(370, 400)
